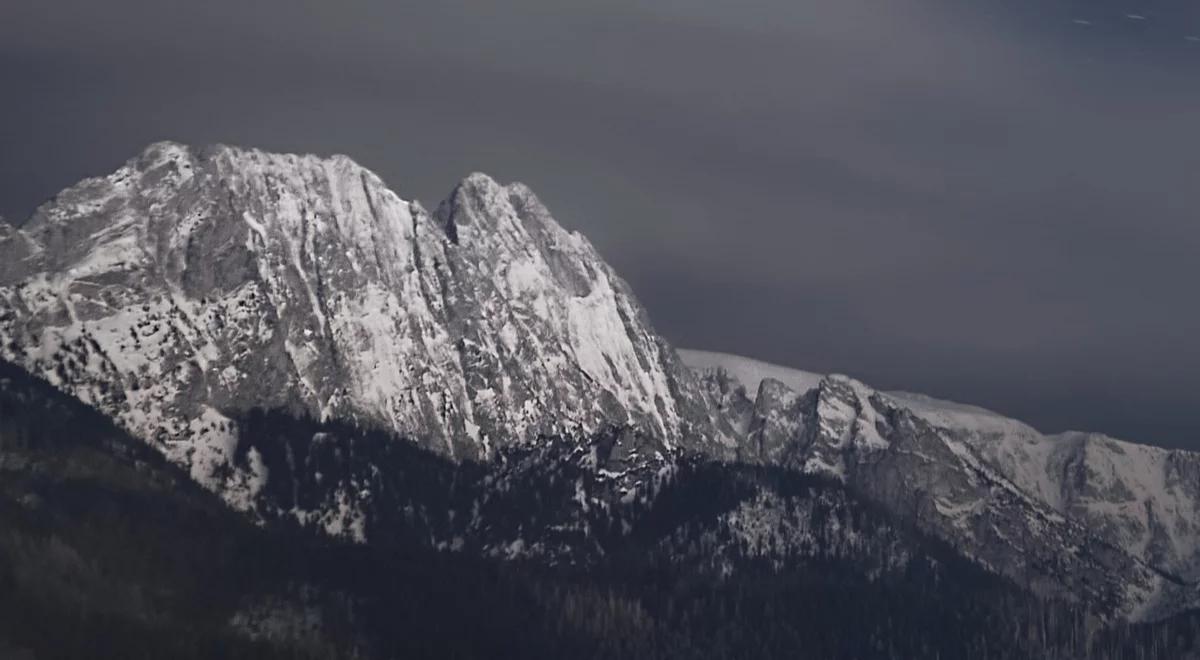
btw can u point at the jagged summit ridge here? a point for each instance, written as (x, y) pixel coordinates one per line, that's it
(1005, 494)
(193, 283)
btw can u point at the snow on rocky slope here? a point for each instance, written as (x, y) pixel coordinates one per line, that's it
(1143, 499)
(1037, 507)
(748, 372)
(193, 284)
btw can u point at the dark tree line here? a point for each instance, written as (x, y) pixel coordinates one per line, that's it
(107, 551)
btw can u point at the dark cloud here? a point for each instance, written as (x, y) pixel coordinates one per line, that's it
(993, 202)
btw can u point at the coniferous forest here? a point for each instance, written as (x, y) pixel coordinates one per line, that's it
(107, 551)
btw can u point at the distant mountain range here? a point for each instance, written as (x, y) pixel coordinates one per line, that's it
(1143, 500)
(475, 385)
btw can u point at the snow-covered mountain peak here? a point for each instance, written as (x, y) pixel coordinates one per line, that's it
(192, 284)
(479, 210)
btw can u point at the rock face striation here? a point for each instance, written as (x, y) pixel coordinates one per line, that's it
(192, 289)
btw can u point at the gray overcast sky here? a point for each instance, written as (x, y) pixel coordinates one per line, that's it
(995, 202)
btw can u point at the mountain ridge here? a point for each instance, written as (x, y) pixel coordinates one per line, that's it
(1143, 499)
(193, 286)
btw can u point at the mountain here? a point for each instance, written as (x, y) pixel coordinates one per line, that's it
(476, 383)
(1145, 499)
(1112, 520)
(192, 285)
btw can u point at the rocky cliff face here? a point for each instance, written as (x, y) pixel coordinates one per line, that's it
(190, 285)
